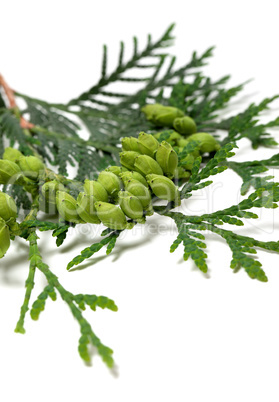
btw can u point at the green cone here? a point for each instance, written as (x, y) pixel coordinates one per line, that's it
(48, 196)
(145, 165)
(185, 125)
(130, 144)
(86, 209)
(207, 142)
(12, 154)
(131, 206)
(162, 116)
(147, 144)
(167, 158)
(110, 182)
(111, 215)
(134, 175)
(8, 209)
(9, 172)
(116, 170)
(163, 188)
(95, 189)
(140, 191)
(127, 159)
(67, 207)
(31, 166)
(4, 238)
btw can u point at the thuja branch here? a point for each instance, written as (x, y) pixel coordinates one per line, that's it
(87, 334)
(241, 246)
(154, 166)
(123, 67)
(35, 259)
(75, 140)
(76, 303)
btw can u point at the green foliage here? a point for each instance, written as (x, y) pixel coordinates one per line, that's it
(43, 115)
(248, 171)
(56, 132)
(19, 195)
(39, 304)
(190, 147)
(75, 302)
(59, 231)
(41, 225)
(56, 135)
(241, 246)
(81, 300)
(245, 125)
(192, 247)
(61, 234)
(10, 128)
(202, 98)
(94, 301)
(210, 169)
(57, 126)
(35, 260)
(89, 251)
(108, 116)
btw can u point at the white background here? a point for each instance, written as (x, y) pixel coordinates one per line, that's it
(179, 334)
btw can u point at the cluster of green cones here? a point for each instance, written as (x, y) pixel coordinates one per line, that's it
(151, 168)
(123, 196)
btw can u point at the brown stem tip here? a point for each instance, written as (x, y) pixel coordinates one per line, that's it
(12, 102)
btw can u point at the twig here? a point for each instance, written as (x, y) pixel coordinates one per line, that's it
(12, 102)
(29, 285)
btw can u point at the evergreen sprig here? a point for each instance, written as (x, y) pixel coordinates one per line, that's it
(59, 230)
(241, 246)
(248, 171)
(54, 135)
(76, 303)
(246, 125)
(110, 241)
(210, 169)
